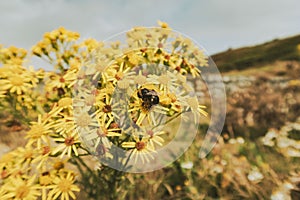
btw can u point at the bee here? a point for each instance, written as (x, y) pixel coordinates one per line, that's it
(149, 97)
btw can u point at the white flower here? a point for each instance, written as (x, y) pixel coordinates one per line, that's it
(240, 140)
(255, 176)
(187, 165)
(283, 192)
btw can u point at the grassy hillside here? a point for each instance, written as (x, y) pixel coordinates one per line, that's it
(269, 52)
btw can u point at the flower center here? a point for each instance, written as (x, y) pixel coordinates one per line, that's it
(84, 121)
(150, 133)
(167, 57)
(16, 82)
(119, 75)
(140, 145)
(65, 186)
(36, 131)
(107, 108)
(62, 80)
(114, 125)
(160, 45)
(46, 150)
(3, 174)
(69, 141)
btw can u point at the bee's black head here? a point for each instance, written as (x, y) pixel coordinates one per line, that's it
(154, 100)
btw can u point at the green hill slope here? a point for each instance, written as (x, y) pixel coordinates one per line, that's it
(246, 57)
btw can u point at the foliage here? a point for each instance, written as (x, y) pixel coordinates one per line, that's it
(248, 57)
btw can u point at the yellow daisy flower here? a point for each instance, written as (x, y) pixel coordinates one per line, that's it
(193, 104)
(20, 188)
(84, 121)
(16, 83)
(12, 55)
(64, 124)
(68, 144)
(7, 165)
(4, 195)
(42, 158)
(63, 187)
(101, 134)
(66, 80)
(45, 180)
(140, 149)
(167, 82)
(34, 76)
(122, 71)
(39, 132)
(24, 155)
(155, 137)
(105, 111)
(6, 70)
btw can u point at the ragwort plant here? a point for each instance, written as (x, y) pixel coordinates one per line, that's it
(97, 98)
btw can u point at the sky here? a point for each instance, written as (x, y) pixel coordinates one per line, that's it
(215, 24)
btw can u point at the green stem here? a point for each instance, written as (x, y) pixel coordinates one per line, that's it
(171, 119)
(85, 165)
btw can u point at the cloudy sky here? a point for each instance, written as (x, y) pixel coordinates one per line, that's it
(215, 24)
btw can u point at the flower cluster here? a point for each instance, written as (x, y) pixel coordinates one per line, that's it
(99, 100)
(18, 84)
(283, 139)
(126, 94)
(12, 55)
(52, 141)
